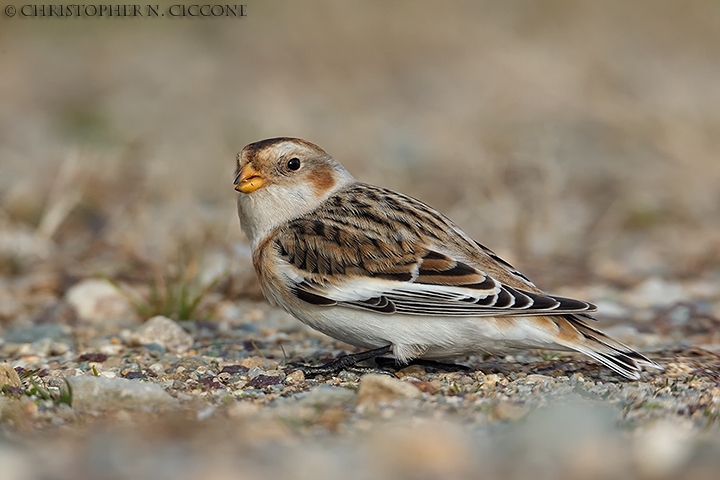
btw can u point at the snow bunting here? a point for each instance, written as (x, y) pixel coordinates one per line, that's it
(383, 271)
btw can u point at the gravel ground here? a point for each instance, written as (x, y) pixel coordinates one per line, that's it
(95, 392)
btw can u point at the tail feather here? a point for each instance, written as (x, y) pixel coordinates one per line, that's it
(615, 355)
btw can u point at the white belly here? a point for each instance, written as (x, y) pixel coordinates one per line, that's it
(414, 336)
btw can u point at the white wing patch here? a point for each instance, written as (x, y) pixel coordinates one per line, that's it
(415, 298)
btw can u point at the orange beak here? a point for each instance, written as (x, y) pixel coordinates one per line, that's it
(249, 180)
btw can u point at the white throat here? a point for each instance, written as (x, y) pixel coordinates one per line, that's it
(264, 210)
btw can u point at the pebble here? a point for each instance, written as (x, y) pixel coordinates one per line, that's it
(430, 387)
(489, 381)
(98, 300)
(655, 292)
(507, 410)
(262, 381)
(412, 371)
(158, 368)
(24, 245)
(58, 348)
(111, 350)
(164, 332)
(9, 377)
(324, 396)
(101, 393)
(259, 362)
(295, 377)
(375, 388)
(535, 378)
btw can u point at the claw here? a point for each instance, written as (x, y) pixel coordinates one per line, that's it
(346, 362)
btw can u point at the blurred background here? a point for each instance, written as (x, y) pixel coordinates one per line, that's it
(580, 140)
(583, 135)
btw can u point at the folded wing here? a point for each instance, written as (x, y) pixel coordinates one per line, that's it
(377, 250)
(435, 285)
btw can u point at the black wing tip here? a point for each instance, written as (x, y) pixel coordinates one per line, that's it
(552, 303)
(573, 304)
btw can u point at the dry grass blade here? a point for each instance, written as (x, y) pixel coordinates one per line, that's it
(63, 198)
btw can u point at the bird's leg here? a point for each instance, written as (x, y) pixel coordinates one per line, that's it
(346, 362)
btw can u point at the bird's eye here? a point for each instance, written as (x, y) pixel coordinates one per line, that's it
(293, 164)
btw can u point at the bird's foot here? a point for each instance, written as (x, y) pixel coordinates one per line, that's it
(346, 362)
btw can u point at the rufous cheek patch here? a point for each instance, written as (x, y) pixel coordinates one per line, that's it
(322, 179)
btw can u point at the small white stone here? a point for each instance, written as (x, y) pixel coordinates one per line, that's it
(376, 388)
(111, 350)
(255, 371)
(58, 348)
(97, 300)
(535, 378)
(295, 377)
(656, 292)
(158, 368)
(101, 393)
(23, 244)
(163, 331)
(324, 396)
